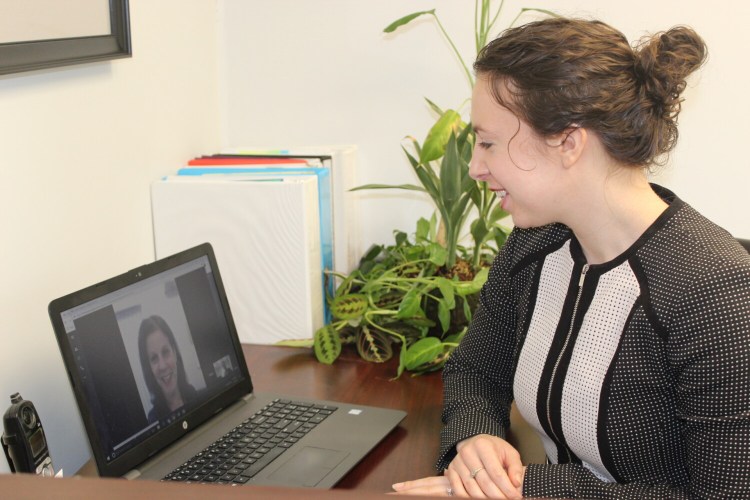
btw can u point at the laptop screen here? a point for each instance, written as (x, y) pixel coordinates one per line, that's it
(151, 354)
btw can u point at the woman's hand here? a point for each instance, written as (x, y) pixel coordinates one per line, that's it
(434, 486)
(486, 467)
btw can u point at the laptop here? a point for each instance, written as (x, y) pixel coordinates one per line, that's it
(162, 385)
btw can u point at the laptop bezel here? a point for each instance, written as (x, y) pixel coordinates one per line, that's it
(182, 426)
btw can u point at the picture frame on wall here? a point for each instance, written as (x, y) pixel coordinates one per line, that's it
(39, 34)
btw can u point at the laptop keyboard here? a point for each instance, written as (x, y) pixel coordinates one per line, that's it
(245, 450)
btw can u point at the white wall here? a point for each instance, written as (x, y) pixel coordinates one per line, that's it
(299, 73)
(80, 146)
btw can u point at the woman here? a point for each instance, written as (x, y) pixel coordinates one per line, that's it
(163, 368)
(616, 316)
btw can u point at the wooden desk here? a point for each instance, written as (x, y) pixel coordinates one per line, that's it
(410, 451)
(29, 487)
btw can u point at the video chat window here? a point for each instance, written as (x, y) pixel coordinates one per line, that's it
(151, 352)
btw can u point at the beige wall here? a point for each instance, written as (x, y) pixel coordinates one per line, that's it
(321, 72)
(79, 146)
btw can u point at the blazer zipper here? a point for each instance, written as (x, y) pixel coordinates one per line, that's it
(581, 279)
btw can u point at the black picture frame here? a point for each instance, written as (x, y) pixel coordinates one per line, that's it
(16, 57)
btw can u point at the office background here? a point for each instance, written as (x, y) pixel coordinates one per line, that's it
(81, 144)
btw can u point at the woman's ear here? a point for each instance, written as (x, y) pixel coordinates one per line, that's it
(570, 144)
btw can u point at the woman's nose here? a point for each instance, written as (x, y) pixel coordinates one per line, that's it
(477, 170)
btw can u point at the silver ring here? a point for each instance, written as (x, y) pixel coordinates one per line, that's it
(449, 491)
(476, 471)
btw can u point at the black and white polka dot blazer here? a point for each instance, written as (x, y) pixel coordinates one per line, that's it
(635, 373)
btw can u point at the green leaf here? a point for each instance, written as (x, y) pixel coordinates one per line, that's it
(500, 236)
(423, 230)
(450, 174)
(349, 306)
(459, 211)
(467, 310)
(406, 20)
(465, 141)
(438, 254)
(422, 351)
(420, 322)
(422, 170)
(401, 361)
(464, 288)
(479, 231)
(446, 290)
(433, 226)
(455, 338)
(374, 345)
(372, 253)
(400, 237)
(409, 306)
(481, 277)
(469, 185)
(438, 136)
(388, 300)
(430, 184)
(417, 148)
(413, 161)
(476, 196)
(346, 284)
(327, 345)
(444, 315)
(413, 253)
(437, 109)
(497, 213)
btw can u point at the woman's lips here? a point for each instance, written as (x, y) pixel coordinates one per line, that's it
(502, 194)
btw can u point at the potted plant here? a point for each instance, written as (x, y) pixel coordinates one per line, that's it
(417, 295)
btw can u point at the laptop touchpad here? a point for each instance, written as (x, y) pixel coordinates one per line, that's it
(309, 466)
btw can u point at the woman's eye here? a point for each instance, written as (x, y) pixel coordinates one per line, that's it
(485, 145)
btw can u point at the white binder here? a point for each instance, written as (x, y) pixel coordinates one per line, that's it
(266, 236)
(345, 203)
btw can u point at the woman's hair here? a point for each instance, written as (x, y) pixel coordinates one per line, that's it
(148, 326)
(562, 73)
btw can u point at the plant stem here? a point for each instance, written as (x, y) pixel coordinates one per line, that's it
(532, 9)
(479, 19)
(382, 328)
(455, 50)
(494, 20)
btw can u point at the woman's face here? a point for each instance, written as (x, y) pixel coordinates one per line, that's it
(163, 361)
(512, 160)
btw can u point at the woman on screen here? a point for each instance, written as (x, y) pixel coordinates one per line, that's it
(162, 368)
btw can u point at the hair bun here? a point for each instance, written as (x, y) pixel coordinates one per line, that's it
(662, 64)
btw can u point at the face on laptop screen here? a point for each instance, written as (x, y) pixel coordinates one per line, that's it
(150, 353)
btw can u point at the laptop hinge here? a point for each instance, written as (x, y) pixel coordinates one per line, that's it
(132, 475)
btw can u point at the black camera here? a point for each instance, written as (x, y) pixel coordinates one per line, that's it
(23, 440)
